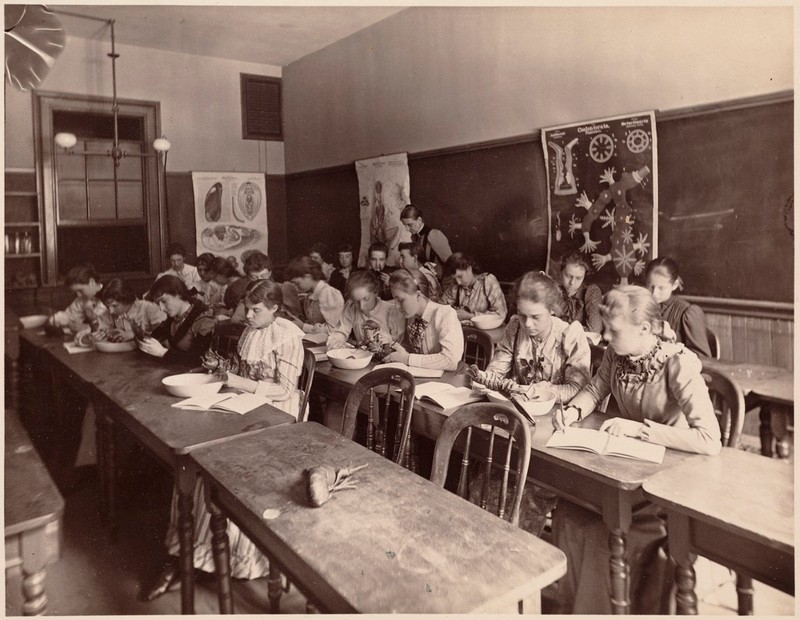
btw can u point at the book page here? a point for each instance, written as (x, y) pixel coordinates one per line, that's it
(432, 388)
(202, 403)
(632, 448)
(579, 439)
(454, 397)
(241, 403)
(422, 373)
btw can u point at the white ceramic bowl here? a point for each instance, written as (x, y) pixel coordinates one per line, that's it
(542, 404)
(115, 347)
(349, 359)
(32, 321)
(487, 321)
(188, 385)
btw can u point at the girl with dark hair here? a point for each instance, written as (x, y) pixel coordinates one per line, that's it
(435, 245)
(579, 301)
(210, 291)
(412, 258)
(687, 320)
(86, 307)
(230, 283)
(186, 333)
(268, 362)
(125, 311)
(339, 276)
(322, 307)
(473, 291)
(178, 266)
(319, 254)
(663, 399)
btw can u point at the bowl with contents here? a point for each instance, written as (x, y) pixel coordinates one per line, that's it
(106, 346)
(487, 321)
(190, 384)
(350, 359)
(32, 321)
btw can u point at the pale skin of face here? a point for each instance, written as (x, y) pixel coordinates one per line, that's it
(304, 284)
(411, 305)
(412, 225)
(366, 300)
(407, 261)
(537, 319)
(661, 286)
(572, 276)
(377, 261)
(264, 274)
(206, 275)
(176, 262)
(173, 306)
(316, 257)
(464, 277)
(345, 259)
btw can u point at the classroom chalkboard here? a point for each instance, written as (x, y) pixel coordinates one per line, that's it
(726, 180)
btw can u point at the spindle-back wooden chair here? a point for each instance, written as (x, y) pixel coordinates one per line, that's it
(478, 347)
(499, 418)
(226, 337)
(306, 379)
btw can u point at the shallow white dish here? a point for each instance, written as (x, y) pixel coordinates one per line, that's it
(33, 321)
(541, 405)
(487, 321)
(349, 359)
(115, 347)
(187, 385)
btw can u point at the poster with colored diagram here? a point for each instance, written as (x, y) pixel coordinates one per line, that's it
(230, 210)
(602, 179)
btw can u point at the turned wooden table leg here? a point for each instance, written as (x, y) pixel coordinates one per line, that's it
(274, 588)
(620, 573)
(184, 486)
(222, 555)
(780, 422)
(680, 549)
(34, 560)
(744, 593)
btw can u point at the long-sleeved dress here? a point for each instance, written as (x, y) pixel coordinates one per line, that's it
(144, 313)
(273, 357)
(665, 391)
(74, 315)
(187, 337)
(483, 296)
(322, 308)
(688, 322)
(385, 314)
(583, 306)
(441, 341)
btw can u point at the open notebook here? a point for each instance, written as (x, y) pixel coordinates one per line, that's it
(422, 373)
(606, 444)
(445, 395)
(233, 403)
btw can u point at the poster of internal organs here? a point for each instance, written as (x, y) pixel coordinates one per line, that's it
(230, 210)
(384, 189)
(602, 179)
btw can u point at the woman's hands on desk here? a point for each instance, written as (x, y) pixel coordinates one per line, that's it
(153, 347)
(622, 427)
(398, 354)
(567, 417)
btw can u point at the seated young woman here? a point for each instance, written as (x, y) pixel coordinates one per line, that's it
(319, 254)
(377, 253)
(686, 320)
(579, 301)
(210, 291)
(125, 311)
(231, 283)
(268, 362)
(366, 316)
(412, 257)
(433, 334)
(663, 399)
(86, 307)
(473, 291)
(322, 306)
(258, 266)
(339, 276)
(187, 332)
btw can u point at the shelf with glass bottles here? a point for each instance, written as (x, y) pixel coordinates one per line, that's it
(23, 233)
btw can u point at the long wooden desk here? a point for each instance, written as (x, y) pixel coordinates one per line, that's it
(611, 487)
(750, 531)
(33, 510)
(395, 544)
(125, 389)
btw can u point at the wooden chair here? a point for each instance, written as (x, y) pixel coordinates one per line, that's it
(226, 337)
(713, 343)
(499, 418)
(392, 379)
(306, 379)
(478, 347)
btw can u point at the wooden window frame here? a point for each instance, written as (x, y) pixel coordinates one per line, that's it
(248, 78)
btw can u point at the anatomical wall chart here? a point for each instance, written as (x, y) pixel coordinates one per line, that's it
(230, 210)
(384, 188)
(602, 195)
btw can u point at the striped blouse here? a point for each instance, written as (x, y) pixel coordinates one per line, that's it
(483, 296)
(443, 341)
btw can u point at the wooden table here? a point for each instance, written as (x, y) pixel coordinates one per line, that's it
(12, 327)
(611, 487)
(750, 530)
(395, 544)
(125, 389)
(33, 509)
(772, 387)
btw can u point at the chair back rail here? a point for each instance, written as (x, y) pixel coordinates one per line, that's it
(306, 380)
(727, 397)
(225, 338)
(713, 343)
(478, 347)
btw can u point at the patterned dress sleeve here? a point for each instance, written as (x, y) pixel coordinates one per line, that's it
(598, 388)
(345, 326)
(695, 338)
(503, 358)
(289, 358)
(72, 316)
(687, 387)
(494, 293)
(450, 294)
(451, 342)
(577, 364)
(591, 308)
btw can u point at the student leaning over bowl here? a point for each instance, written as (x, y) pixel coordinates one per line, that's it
(86, 307)
(663, 399)
(124, 310)
(322, 306)
(187, 332)
(472, 291)
(268, 362)
(433, 337)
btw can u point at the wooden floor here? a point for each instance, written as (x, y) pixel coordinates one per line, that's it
(95, 577)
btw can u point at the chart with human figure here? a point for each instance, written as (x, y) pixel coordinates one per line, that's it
(384, 191)
(602, 179)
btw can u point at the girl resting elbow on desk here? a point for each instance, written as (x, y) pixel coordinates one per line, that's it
(268, 362)
(663, 399)
(473, 291)
(433, 335)
(322, 306)
(126, 314)
(86, 307)
(189, 326)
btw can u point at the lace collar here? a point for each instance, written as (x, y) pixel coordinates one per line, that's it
(643, 368)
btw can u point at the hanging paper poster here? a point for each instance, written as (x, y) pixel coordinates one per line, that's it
(230, 210)
(602, 197)
(384, 190)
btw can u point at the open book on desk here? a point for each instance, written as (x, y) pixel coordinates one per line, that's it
(233, 403)
(421, 373)
(445, 395)
(603, 443)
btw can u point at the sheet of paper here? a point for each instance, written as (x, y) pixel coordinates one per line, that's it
(202, 403)
(632, 448)
(579, 439)
(241, 403)
(71, 347)
(427, 373)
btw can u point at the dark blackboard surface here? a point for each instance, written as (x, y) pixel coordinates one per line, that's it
(724, 182)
